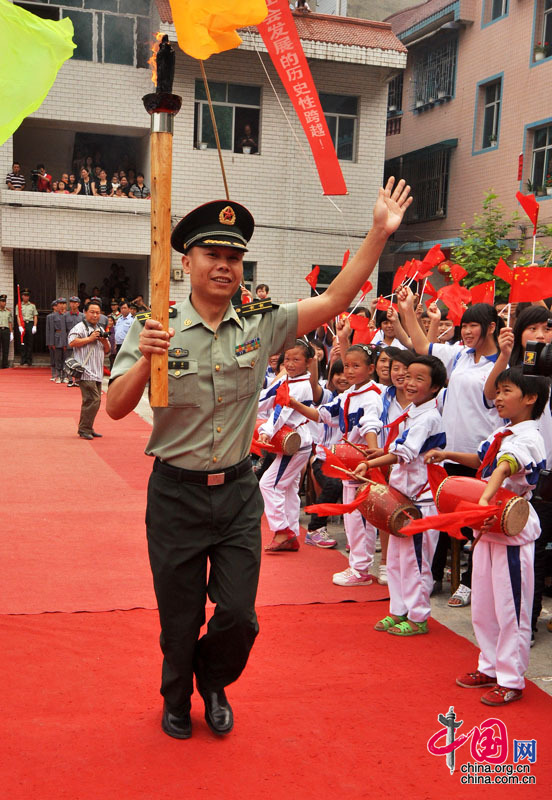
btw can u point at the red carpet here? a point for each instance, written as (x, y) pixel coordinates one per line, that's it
(73, 526)
(327, 708)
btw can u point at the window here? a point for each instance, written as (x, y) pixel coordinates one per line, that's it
(248, 273)
(427, 172)
(394, 96)
(237, 110)
(491, 113)
(434, 73)
(341, 116)
(542, 32)
(493, 10)
(541, 162)
(108, 31)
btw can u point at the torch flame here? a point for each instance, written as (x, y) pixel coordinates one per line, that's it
(152, 61)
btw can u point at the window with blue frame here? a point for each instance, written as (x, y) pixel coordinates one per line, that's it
(492, 95)
(541, 158)
(542, 33)
(434, 71)
(493, 10)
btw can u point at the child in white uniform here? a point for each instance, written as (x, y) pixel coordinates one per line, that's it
(356, 413)
(503, 565)
(280, 483)
(409, 558)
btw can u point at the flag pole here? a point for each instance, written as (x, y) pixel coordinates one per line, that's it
(215, 129)
(162, 106)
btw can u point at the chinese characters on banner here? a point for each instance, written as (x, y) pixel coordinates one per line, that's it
(284, 47)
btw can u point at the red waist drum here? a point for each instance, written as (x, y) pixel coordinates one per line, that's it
(286, 440)
(388, 509)
(349, 455)
(515, 509)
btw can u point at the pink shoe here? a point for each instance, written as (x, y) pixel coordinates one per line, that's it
(320, 538)
(351, 577)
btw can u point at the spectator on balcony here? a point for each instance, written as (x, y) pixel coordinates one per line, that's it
(14, 179)
(102, 186)
(65, 178)
(89, 164)
(54, 187)
(124, 186)
(78, 162)
(115, 181)
(72, 184)
(85, 185)
(95, 175)
(43, 179)
(139, 189)
(131, 175)
(61, 188)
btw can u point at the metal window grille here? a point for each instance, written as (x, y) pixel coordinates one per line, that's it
(428, 175)
(435, 72)
(393, 126)
(394, 97)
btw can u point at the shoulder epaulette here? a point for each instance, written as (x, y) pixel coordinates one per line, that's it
(144, 315)
(256, 307)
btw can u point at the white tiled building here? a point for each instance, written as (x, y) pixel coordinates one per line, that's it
(54, 242)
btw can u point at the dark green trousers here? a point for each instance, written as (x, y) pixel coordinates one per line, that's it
(204, 541)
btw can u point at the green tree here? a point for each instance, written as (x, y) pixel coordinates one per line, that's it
(483, 243)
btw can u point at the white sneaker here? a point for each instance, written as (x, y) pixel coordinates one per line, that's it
(53, 380)
(65, 380)
(320, 538)
(57, 380)
(382, 574)
(351, 577)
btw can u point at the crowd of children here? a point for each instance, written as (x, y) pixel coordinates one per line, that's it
(422, 392)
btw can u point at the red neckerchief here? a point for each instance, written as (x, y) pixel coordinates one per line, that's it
(371, 388)
(493, 450)
(393, 431)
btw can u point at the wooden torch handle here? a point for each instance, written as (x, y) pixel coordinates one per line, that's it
(160, 266)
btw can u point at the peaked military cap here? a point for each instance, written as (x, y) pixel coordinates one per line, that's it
(3, 297)
(25, 291)
(221, 223)
(74, 299)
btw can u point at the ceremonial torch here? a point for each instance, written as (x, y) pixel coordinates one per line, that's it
(162, 106)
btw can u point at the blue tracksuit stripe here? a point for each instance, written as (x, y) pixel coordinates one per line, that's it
(514, 567)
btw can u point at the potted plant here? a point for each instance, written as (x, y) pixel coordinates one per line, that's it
(392, 108)
(492, 139)
(548, 183)
(441, 94)
(529, 185)
(539, 51)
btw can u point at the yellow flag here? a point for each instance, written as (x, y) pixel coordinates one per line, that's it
(204, 27)
(32, 51)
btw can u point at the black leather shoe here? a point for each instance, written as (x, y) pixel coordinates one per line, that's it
(218, 711)
(177, 727)
(86, 436)
(97, 435)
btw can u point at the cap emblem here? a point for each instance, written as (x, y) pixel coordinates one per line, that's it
(227, 216)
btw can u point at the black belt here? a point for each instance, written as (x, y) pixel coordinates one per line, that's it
(203, 478)
(4, 328)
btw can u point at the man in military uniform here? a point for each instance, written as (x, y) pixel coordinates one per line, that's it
(60, 339)
(6, 330)
(204, 503)
(72, 318)
(50, 343)
(27, 327)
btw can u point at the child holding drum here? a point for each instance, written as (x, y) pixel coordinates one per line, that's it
(356, 412)
(280, 483)
(511, 457)
(409, 558)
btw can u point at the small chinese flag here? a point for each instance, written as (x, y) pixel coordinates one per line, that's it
(345, 259)
(457, 273)
(413, 269)
(531, 208)
(312, 277)
(400, 275)
(363, 334)
(383, 304)
(502, 270)
(434, 256)
(530, 284)
(483, 292)
(431, 291)
(365, 288)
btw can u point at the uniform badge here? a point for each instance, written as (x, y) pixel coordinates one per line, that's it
(227, 216)
(248, 347)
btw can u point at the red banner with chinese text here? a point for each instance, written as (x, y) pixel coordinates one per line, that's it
(284, 47)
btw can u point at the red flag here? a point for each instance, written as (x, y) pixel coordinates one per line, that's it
(431, 291)
(312, 277)
(530, 284)
(365, 288)
(363, 337)
(383, 304)
(281, 398)
(413, 269)
(483, 292)
(457, 273)
(502, 270)
(434, 256)
(400, 275)
(531, 208)
(455, 298)
(345, 259)
(282, 41)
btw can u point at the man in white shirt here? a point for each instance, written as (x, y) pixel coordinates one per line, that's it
(122, 326)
